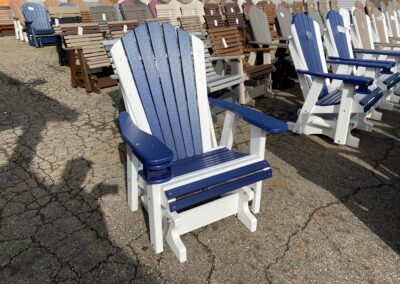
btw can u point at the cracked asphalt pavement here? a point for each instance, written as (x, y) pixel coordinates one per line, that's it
(330, 214)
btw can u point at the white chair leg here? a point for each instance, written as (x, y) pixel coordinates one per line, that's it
(343, 122)
(173, 238)
(385, 101)
(393, 98)
(363, 124)
(375, 115)
(244, 215)
(155, 216)
(132, 181)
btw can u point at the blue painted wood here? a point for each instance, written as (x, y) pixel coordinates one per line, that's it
(214, 192)
(355, 80)
(336, 22)
(385, 65)
(162, 66)
(38, 24)
(256, 118)
(141, 80)
(377, 52)
(150, 151)
(371, 99)
(392, 80)
(185, 48)
(181, 191)
(163, 75)
(332, 99)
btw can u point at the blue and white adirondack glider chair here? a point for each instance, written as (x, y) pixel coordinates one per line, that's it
(340, 51)
(334, 104)
(38, 26)
(188, 181)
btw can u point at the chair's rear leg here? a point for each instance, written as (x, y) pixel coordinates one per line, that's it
(375, 115)
(173, 238)
(155, 216)
(85, 71)
(73, 67)
(363, 124)
(244, 215)
(393, 98)
(385, 102)
(132, 184)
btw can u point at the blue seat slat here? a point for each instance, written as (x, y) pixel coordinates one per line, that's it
(159, 81)
(175, 93)
(219, 190)
(185, 47)
(331, 99)
(208, 182)
(392, 80)
(336, 20)
(307, 37)
(137, 68)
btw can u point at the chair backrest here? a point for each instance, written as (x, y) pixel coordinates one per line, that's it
(379, 21)
(214, 21)
(51, 3)
(78, 3)
(306, 48)
(323, 6)
(226, 41)
(35, 12)
(298, 7)
(270, 10)
(6, 17)
(284, 21)
(105, 3)
(363, 28)
(212, 9)
(119, 28)
(126, 3)
(138, 12)
(312, 6)
(315, 15)
(63, 12)
(172, 10)
(369, 7)
(393, 21)
(335, 5)
(259, 25)
(89, 5)
(191, 24)
(103, 14)
(339, 34)
(16, 9)
(231, 8)
(162, 74)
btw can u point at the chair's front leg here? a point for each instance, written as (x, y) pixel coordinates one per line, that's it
(345, 110)
(237, 68)
(155, 216)
(257, 147)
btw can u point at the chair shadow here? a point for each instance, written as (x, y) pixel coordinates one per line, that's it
(52, 231)
(366, 180)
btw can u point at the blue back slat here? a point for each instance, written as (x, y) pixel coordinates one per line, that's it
(161, 73)
(189, 80)
(163, 91)
(175, 64)
(38, 16)
(336, 21)
(308, 41)
(135, 61)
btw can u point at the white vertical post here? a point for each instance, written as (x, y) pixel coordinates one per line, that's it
(228, 130)
(155, 216)
(132, 182)
(257, 147)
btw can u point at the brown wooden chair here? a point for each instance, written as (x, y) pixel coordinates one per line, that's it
(191, 24)
(270, 10)
(298, 7)
(6, 21)
(119, 28)
(227, 41)
(89, 63)
(85, 14)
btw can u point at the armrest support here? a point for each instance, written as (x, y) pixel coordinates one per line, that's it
(151, 152)
(385, 65)
(377, 52)
(277, 44)
(258, 119)
(354, 80)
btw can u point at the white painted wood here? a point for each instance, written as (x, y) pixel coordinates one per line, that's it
(132, 180)
(229, 129)
(153, 193)
(201, 87)
(257, 147)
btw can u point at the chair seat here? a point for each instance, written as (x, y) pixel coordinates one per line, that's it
(258, 70)
(365, 100)
(42, 27)
(218, 82)
(187, 195)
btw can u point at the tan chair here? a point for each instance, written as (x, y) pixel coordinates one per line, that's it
(119, 28)
(6, 21)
